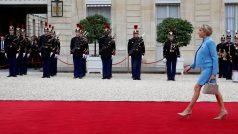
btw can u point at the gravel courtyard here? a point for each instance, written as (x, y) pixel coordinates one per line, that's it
(152, 87)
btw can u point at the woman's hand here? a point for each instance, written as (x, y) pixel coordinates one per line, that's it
(213, 77)
(186, 69)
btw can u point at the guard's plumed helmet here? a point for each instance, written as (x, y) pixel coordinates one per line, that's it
(170, 32)
(228, 36)
(18, 29)
(107, 28)
(51, 28)
(46, 29)
(11, 27)
(236, 36)
(135, 31)
(223, 37)
(23, 30)
(79, 28)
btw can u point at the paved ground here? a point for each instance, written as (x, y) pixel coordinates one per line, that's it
(152, 87)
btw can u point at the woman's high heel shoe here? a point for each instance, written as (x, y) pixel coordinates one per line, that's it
(185, 114)
(221, 116)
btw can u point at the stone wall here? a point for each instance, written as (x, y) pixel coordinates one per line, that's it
(200, 12)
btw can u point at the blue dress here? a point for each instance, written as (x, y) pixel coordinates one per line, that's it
(206, 58)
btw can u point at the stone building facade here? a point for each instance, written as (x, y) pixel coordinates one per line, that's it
(123, 14)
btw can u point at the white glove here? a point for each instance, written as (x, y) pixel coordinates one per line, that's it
(142, 57)
(112, 56)
(28, 55)
(51, 54)
(84, 56)
(56, 56)
(178, 58)
(164, 60)
(24, 54)
(6, 55)
(40, 54)
(17, 55)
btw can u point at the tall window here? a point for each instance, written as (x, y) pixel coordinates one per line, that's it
(232, 17)
(164, 11)
(104, 10)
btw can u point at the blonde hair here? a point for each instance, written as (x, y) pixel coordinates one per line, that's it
(207, 29)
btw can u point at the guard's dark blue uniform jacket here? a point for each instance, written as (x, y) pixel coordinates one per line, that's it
(136, 49)
(78, 47)
(107, 48)
(46, 49)
(171, 53)
(11, 50)
(227, 60)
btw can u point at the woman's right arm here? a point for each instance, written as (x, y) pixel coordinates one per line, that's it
(192, 65)
(186, 69)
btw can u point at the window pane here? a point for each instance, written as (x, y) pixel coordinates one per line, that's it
(104, 11)
(91, 11)
(236, 17)
(173, 11)
(167, 10)
(161, 12)
(230, 11)
(231, 16)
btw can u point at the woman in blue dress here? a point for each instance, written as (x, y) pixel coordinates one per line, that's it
(206, 59)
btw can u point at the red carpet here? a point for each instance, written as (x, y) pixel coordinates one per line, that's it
(19, 117)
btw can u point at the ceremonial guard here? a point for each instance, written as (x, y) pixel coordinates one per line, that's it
(45, 49)
(79, 48)
(11, 51)
(55, 53)
(171, 53)
(234, 53)
(107, 49)
(3, 60)
(24, 52)
(35, 56)
(220, 58)
(227, 57)
(136, 50)
(18, 55)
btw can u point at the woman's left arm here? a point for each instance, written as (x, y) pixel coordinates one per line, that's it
(212, 50)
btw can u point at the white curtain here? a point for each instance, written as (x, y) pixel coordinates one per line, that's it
(102, 10)
(164, 11)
